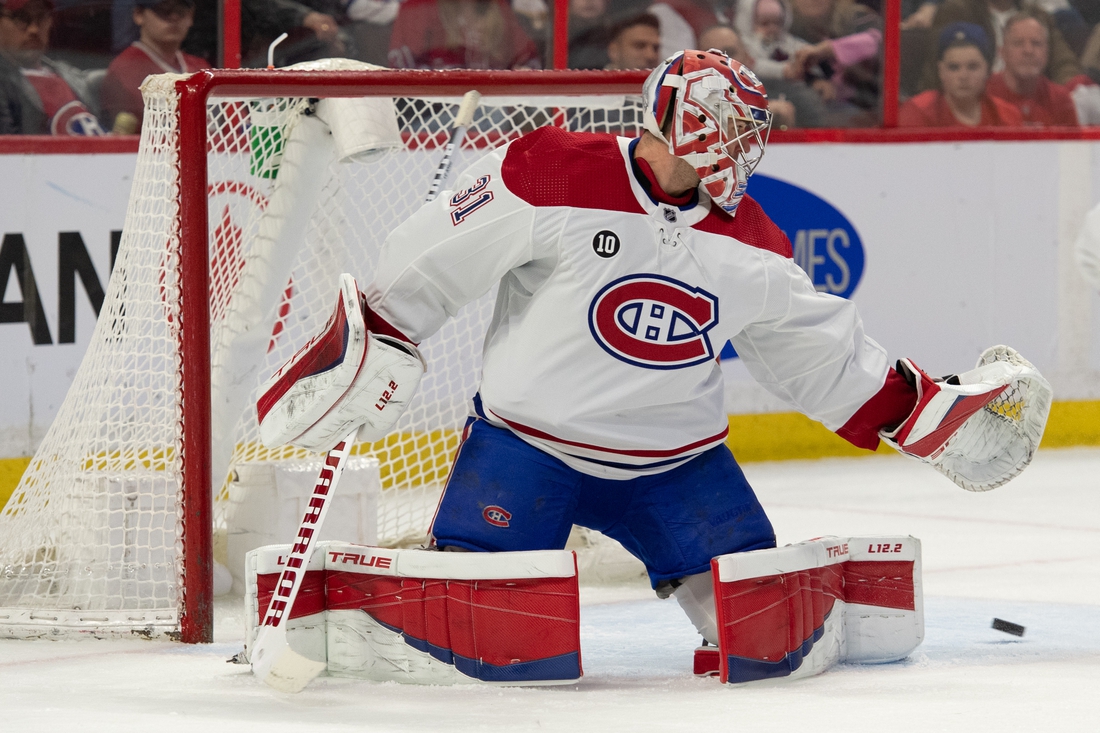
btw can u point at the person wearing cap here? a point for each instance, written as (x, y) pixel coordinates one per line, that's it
(39, 96)
(1022, 84)
(163, 25)
(964, 58)
(1062, 64)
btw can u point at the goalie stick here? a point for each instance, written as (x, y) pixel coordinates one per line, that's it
(465, 116)
(273, 661)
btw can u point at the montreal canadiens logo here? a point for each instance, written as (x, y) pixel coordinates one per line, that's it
(745, 75)
(74, 119)
(654, 322)
(496, 516)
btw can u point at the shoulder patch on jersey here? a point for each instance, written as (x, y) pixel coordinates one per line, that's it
(751, 226)
(584, 170)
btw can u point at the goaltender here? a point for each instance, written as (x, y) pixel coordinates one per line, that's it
(623, 265)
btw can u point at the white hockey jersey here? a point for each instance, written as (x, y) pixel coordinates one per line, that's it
(612, 307)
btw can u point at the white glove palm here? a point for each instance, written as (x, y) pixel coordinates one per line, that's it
(980, 428)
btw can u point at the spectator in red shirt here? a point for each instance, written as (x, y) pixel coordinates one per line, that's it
(964, 61)
(163, 24)
(39, 96)
(1025, 53)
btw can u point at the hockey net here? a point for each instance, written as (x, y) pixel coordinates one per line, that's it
(257, 180)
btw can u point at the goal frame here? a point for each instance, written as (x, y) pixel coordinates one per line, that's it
(196, 617)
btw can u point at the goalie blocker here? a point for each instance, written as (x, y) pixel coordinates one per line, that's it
(344, 377)
(428, 617)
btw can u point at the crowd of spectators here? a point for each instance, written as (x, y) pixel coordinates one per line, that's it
(74, 66)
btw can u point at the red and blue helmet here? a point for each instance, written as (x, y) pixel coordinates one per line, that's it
(713, 113)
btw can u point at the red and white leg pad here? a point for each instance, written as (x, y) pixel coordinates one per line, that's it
(883, 599)
(795, 611)
(444, 618)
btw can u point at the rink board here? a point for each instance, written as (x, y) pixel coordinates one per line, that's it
(963, 245)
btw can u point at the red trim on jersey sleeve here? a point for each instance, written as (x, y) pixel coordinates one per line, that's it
(751, 226)
(884, 411)
(378, 324)
(553, 167)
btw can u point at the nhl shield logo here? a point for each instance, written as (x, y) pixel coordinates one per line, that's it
(654, 322)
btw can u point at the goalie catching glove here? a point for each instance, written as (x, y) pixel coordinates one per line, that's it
(980, 428)
(345, 376)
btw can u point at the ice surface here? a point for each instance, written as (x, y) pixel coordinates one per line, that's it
(1028, 552)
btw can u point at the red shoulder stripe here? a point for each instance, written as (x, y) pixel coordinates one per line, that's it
(554, 167)
(751, 226)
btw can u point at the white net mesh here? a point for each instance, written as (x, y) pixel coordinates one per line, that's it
(90, 540)
(91, 529)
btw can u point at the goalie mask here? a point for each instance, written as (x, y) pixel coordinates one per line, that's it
(716, 113)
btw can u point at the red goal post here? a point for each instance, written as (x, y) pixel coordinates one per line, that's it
(197, 621)
(115, 578)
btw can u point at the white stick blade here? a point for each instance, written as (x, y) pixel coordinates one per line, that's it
(279, 666)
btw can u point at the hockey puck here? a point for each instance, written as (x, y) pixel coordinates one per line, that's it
(1008, 627)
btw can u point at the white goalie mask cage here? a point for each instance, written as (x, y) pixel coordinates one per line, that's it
(715, 112)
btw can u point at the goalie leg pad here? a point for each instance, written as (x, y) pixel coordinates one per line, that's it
(423, 617)
(796, 611)
(443, 618)
(777, 611)
(343, 377)
(883, 600)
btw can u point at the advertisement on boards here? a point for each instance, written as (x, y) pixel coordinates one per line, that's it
(61, 224)
(946, 249)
